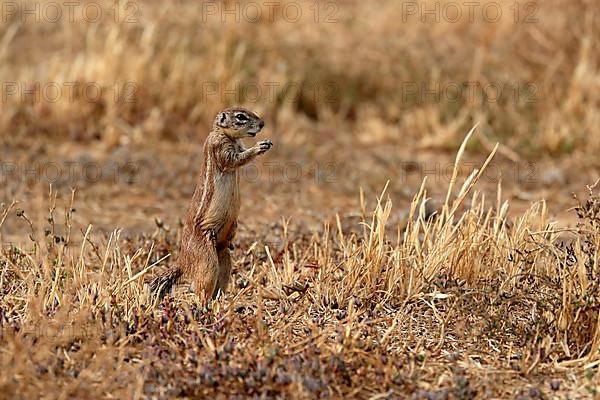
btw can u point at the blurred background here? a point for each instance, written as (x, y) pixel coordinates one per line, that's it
(116, 98)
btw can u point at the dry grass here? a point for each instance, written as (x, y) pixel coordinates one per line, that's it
(547, 66)
(490, 296)
(453, 305)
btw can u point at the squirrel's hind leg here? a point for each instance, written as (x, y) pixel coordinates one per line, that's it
(206, 275)
(224, 256)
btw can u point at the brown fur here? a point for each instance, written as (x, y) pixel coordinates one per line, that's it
(211, 221)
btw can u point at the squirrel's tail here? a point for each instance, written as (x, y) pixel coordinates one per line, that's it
(164, 282)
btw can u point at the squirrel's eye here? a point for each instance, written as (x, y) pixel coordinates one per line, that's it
(241, 117)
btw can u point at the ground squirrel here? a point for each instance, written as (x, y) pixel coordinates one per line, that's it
(211, 221)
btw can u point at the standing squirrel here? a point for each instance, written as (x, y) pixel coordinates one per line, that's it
(211, 222)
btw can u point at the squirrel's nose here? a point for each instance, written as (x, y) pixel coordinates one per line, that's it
(261, 124)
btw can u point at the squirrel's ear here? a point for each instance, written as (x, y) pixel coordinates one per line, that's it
(222, 119)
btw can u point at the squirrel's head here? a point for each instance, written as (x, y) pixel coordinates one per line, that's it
(238, 123)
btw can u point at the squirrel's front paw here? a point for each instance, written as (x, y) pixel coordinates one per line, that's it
(264, 145)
